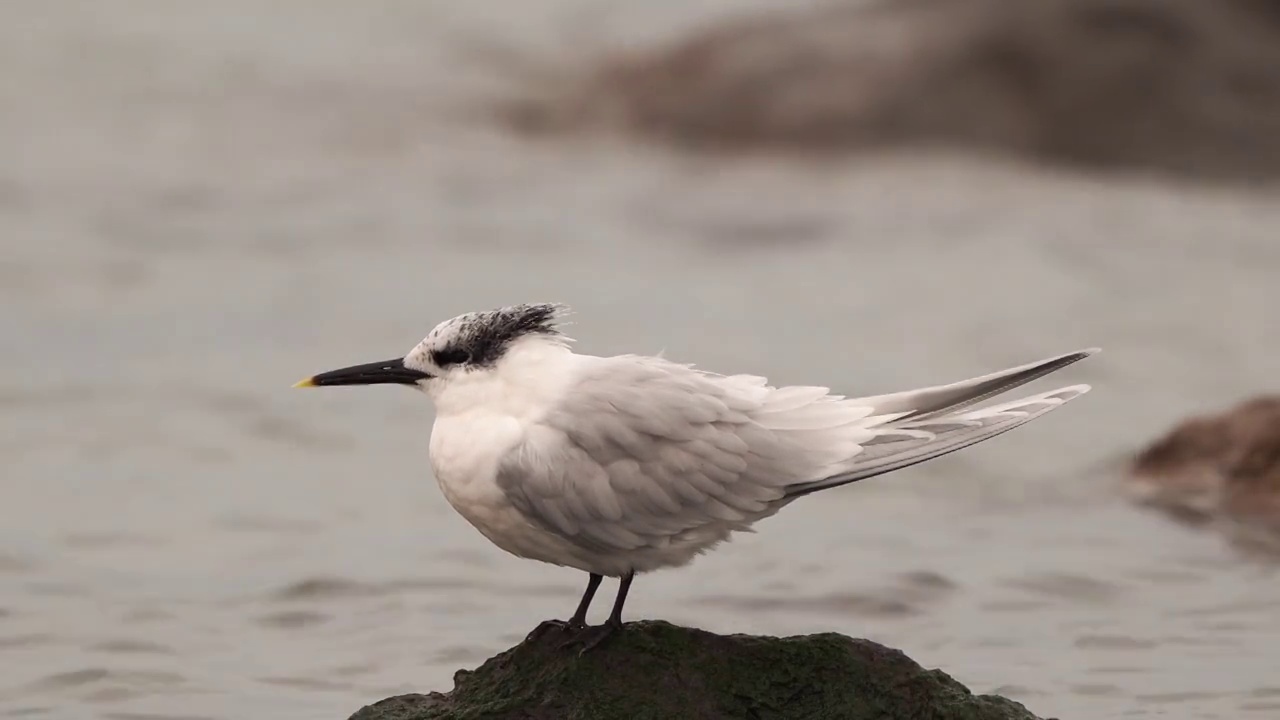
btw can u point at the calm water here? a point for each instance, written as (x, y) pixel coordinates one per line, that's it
(201, 204)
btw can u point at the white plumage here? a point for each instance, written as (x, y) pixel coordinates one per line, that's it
(627, 464)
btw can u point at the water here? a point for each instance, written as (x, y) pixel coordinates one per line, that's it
(199, 205)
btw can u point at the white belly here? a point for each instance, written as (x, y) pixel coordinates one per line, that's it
(465, 452)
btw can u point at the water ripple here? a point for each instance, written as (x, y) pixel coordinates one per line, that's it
(131, 647)
(292, 619)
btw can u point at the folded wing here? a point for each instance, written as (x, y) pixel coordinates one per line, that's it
(643, 452)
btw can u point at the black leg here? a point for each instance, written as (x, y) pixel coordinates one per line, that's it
(615, 617)
(593, 636)
(579, 618)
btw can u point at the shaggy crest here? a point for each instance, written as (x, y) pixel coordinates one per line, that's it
(481, 338)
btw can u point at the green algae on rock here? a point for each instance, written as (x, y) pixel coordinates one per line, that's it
(655, 670)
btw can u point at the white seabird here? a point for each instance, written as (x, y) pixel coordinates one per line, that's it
(627, 464)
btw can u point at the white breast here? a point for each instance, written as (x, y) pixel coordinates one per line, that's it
(480, 417)
(465, 450)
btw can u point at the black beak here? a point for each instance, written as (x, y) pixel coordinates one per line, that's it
(378, 373)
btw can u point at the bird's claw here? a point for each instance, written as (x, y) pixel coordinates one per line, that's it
(559, 625)
(590, 637)
(544, 626)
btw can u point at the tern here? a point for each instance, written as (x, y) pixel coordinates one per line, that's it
(628, 464)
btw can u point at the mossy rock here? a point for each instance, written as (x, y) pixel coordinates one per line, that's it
(655, 670)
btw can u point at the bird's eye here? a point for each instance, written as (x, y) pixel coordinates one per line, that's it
(445, 358)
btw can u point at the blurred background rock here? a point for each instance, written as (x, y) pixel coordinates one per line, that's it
(1220, 470)
(1185, 87)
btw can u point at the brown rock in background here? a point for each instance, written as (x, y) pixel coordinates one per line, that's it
(1222, 469)
(1189, 87)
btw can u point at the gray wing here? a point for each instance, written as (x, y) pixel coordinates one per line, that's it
(920, 425)
(947, 399)
(902, 444)
(643, 450)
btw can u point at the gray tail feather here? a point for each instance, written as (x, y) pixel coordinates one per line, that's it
(933, 401)
(919, 437)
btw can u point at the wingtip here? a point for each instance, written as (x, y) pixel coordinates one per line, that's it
(1074, 391)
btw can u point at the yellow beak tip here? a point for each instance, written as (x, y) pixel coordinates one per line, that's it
(306, 382)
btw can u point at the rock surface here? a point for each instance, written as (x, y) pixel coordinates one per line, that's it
(655, 670)
(1188, 87)
(1218, 470)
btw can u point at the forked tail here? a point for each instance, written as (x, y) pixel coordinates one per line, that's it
(918, 425)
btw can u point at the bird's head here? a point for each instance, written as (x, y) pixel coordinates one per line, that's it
(467, 347)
